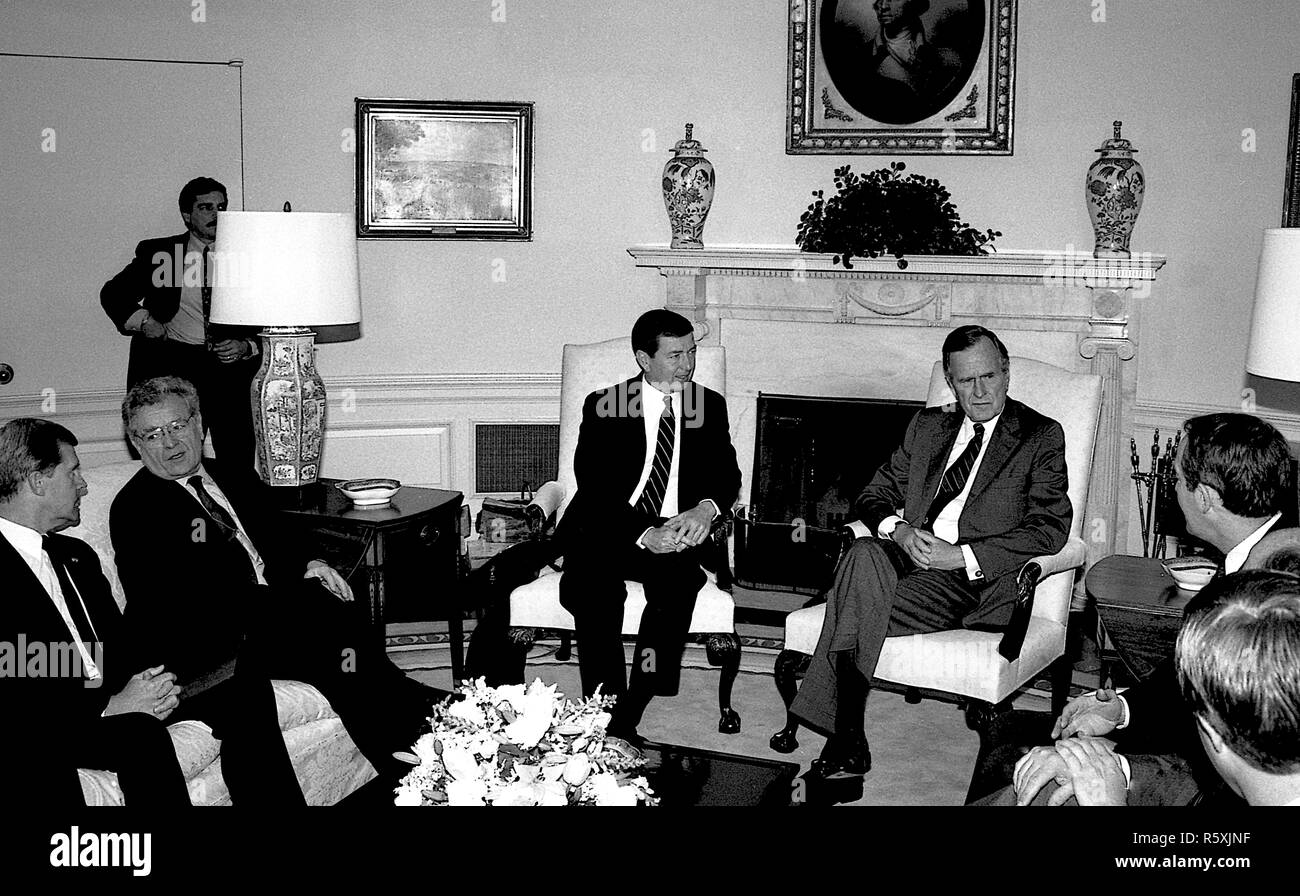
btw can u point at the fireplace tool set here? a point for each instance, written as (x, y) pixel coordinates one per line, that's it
(1159, 484)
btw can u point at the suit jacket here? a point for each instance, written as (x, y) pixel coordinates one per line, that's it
(191, 593)
(611, 453)
(1017, 509)
(27, 615)
(153, 280)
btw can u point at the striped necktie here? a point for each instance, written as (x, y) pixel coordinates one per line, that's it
(652, 496)
(71, 597)
(954, 480)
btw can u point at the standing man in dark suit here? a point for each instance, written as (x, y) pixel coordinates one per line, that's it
(227, 597)
(655, 466)
(162, 301)
(72, 694)
(970, 495)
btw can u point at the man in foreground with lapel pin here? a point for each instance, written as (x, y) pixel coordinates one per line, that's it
(973, 492)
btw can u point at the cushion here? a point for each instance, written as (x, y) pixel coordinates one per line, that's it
(959, 661)
(537, 605)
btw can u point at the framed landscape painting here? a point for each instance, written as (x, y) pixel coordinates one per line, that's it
(444, 170)
(898, 77)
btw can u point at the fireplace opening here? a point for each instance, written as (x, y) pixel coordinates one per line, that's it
(812, 456)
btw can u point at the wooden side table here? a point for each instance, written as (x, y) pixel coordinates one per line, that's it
(403, 557)
(1140, 608)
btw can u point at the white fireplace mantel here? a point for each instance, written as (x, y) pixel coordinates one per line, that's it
(800, 323)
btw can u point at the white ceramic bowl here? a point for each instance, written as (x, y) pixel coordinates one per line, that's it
(369, 492)
(1191, 573)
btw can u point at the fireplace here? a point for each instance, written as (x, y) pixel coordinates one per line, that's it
(812, 456)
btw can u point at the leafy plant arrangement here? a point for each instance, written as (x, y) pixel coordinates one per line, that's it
(883, 212)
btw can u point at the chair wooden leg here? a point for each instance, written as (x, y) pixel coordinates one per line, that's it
(723, 650)
(566, 647)
(790, 666)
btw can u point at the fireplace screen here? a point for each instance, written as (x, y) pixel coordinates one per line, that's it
(812, 456)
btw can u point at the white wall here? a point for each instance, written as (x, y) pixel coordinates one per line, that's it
(607, 78)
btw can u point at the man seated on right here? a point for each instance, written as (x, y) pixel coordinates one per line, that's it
(1240, 681)
(961, 505)
(1233, 475)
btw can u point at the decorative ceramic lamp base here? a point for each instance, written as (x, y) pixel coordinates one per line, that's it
(288, 408)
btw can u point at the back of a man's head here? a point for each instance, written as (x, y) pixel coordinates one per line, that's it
(1243, 458)
(1238, 662)
(29, 445)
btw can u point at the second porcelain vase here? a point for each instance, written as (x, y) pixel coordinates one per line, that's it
(688, 192)
(1115, 186)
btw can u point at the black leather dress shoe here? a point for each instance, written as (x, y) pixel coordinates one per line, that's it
(840, 758)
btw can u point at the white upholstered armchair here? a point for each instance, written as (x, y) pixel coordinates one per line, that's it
(536, 605)
(984, 669)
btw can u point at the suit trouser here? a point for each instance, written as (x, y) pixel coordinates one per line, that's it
(135, 745)
(307, 634)
(223, 389)
(593, 590)
(254, 760)
(878, 593)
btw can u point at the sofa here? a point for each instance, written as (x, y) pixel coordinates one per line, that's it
(328, 763)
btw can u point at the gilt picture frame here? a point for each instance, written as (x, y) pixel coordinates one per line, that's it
(444, 170)
(901, 77)
(1291, 187)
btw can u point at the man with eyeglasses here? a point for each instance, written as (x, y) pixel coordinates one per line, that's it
(229, 599)
(73, 693)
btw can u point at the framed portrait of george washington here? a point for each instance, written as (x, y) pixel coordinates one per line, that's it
(901, 77)
(444, 170)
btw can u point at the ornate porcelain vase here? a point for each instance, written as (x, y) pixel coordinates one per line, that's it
(1114, 189)
(688, 192)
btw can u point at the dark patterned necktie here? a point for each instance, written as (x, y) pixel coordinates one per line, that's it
(85, 631)
(652, 496)
(226, 524)
(206, 292)
(954, 480)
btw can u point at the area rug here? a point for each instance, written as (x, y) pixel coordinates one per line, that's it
(922, 754)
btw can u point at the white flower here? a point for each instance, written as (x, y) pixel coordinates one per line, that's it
(608, 792)
(517, 794)
(466, 793)
(513, 693)
(460, 763)
(408, 795)
(527, 773)
(470, 711)
(554, 793)
(536, 712)
(577, 769)
(424, 748)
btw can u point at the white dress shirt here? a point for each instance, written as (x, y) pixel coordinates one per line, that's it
(30, 546)
(945, 524)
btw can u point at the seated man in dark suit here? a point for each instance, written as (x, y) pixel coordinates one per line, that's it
(1236, 666)
(961, 505)
(73, 696)
(655, 466)
(228, 598)
(1233, 476)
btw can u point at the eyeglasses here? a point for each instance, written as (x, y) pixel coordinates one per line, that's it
(176, 427)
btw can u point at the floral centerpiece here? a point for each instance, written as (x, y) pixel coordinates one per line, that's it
(511, 746)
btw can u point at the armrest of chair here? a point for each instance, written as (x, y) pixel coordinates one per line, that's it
(547, 500)
(1072, 556)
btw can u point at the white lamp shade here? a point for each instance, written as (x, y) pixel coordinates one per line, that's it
(1275, 329)
(285, 269)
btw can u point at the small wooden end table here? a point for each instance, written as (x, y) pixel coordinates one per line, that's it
(1140, 608)
(403, 557)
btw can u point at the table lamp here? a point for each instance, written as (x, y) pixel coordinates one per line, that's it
(1274, 350)
(286, 272)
